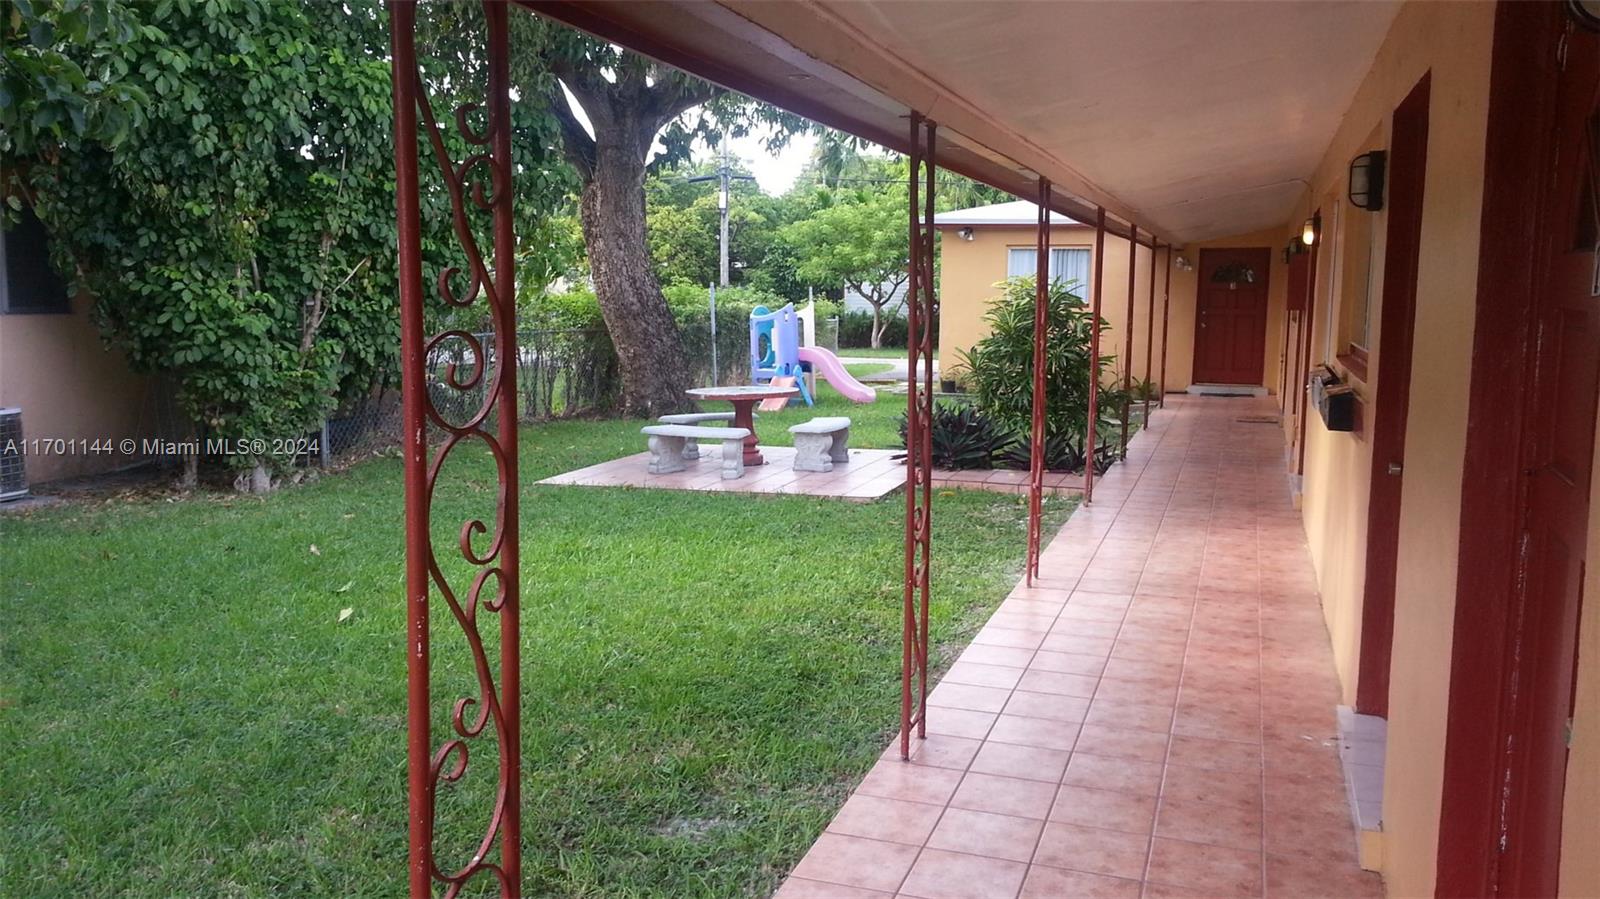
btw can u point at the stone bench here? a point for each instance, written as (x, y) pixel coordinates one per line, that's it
(821, 442)
(667, 444)
(691, 449)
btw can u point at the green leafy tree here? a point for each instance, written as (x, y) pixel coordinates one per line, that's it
(684, 224)
(49, 96)
(237, 227)
(858, 240)
(633, 104)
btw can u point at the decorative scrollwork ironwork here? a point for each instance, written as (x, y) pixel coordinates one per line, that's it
(490, 710)
(919, 413)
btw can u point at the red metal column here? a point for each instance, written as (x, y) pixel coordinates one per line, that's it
(919, 445)
(414, 447)
(1094, 354)
(1127, 353)
(1166, 309)
(1150, 334)
(504, 313)
(478, 186)
(1041, 325)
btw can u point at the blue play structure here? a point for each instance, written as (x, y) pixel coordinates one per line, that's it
(775, 348)
(775, 352)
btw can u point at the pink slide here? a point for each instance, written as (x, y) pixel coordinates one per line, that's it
(828, 365)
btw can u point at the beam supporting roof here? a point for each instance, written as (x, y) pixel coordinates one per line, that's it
(725, 47)
(1191, 120)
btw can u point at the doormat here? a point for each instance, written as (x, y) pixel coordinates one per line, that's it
(1259, 420)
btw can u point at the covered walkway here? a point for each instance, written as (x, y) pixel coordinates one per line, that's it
(1154, 718)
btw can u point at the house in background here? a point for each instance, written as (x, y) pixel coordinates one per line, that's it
(70, 391)
(1239, 350)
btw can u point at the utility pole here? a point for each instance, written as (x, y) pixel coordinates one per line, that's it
(724, 177)
(722, 209)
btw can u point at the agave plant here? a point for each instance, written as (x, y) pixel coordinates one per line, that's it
(963, 437)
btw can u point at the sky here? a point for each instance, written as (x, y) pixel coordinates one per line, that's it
(774, 173)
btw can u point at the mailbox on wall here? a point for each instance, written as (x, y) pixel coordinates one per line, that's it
(1335, 400)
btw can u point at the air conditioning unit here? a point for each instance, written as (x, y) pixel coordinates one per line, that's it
(13, 480)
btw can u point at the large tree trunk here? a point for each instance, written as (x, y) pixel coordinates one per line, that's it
(654, 372)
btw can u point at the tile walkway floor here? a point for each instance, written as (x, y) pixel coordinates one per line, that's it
(1155, 717)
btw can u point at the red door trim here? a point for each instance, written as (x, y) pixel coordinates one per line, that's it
(1308, 328)
(1408, 161)
(1522, 100)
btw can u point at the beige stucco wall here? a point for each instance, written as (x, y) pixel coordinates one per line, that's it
(70, 386)
(970, 269)
(1454, 41)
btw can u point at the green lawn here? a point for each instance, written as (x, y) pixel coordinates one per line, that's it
(888, 352)
(862, 369)
(704, 676)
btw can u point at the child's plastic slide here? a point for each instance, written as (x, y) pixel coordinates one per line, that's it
(828, 365)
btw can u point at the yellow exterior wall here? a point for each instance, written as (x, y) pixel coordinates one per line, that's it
(1580, 819)
(970, 269)
(1454, 41)
(69, 386)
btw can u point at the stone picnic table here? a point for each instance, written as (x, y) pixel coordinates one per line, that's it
(744, 400)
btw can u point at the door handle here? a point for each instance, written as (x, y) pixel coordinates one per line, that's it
(1396, 468)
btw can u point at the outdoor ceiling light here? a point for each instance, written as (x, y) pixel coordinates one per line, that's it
(1366, 180)
(965, 233)
(1308, 231)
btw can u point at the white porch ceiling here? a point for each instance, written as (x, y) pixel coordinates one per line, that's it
(1199, 119)
(1203, 117)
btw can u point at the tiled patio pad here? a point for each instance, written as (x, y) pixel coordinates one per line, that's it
(1153, 718)
(868, 475)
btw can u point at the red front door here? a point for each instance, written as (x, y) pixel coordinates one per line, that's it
(1525, 513)
(1559, 448)
(1230, 331)
(1408, 162)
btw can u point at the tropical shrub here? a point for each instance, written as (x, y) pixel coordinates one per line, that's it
(999, 369)
(1061, 453)
(963, 437)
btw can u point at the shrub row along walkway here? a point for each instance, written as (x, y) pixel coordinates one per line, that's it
(1154, 718)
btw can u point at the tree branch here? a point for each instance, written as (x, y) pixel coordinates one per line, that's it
(671, 99)
(576, 143)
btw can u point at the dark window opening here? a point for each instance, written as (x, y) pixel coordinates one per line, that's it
(30, 284)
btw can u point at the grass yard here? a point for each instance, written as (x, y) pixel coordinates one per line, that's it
(862, 369)
(887, 352)
(704, 676)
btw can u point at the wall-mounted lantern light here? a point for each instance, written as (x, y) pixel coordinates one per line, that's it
(1587, 12)
(1183, 264)
(1310, 230)
(1366, 180)
(964, 233)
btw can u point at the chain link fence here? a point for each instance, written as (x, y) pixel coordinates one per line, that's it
(560, 373)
